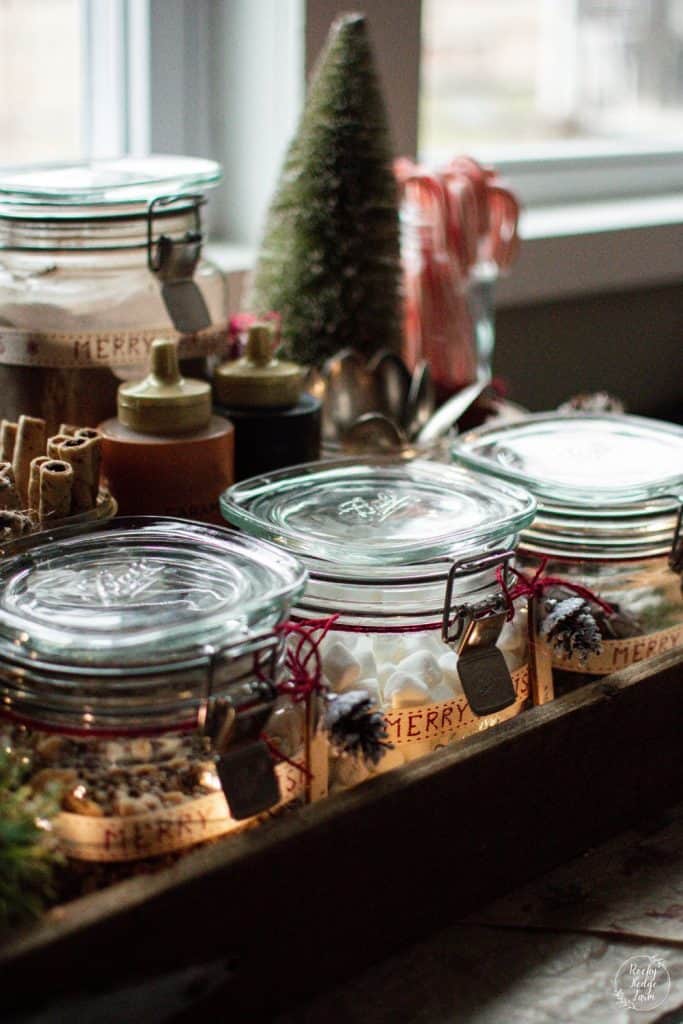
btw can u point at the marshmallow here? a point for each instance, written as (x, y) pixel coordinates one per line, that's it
(442, 693)
(361, 643)
(405, 691)
(371, 687)
(384, 674)
(368, 665)
(448, 663)
(341, 668)
(424, 666)
(427, 641)
(389, 647)
(512, 638)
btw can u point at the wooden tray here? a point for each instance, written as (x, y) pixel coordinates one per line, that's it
(269, 916)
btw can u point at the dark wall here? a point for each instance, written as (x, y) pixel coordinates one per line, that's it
(630, 344)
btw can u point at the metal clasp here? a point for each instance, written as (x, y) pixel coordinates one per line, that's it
(466, 614)
(483, 671)
(234, 723)
(174, 262)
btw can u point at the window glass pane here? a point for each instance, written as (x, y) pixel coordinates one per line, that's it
(530, 71)
(40, 80)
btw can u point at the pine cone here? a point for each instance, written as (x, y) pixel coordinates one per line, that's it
(570, 626)
(355, 727)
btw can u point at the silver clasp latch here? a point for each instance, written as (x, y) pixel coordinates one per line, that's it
(484, 674)
(174, 262)
(234, 723)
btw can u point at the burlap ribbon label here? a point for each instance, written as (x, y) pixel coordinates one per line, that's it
(617, 654)
(88, 349)
(417, 731)
(173, 828)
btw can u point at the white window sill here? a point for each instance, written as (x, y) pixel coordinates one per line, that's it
(588, 248)
(567, 251)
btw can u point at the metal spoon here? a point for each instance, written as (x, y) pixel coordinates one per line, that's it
(392, 382)
(350, 392)
(421, 400)
(451, 411)
(374, 432)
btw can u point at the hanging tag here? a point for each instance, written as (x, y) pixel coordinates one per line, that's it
(486, 680)
(247, 775)
(183, 299)
(483, 671)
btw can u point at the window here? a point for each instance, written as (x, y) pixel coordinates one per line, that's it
(41, 80)
(587, 92)
(592, 88)
(551, 70)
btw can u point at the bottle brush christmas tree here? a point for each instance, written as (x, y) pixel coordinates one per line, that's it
(329, 260)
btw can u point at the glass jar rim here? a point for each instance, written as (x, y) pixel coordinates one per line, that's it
(598, 518)
(522, 451)
(398, 522)
(145, 676)
(139, 593)
(70, 188)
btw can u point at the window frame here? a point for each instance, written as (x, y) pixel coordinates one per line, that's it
(175, 76)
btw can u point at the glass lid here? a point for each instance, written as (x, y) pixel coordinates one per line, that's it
(125, 181)
(378, 512)
(140, 591)
(581, 460)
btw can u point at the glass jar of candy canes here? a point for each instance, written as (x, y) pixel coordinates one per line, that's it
(407, 558)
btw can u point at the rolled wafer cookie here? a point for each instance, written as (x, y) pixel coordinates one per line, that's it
(34, 482)
(9, 499)
(53, 444)
(8, 435)
(96, 437)
(30, 443)
(14, 524)
(78, 452)
(56, 482)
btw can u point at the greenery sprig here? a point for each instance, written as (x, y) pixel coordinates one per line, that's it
(28, 853)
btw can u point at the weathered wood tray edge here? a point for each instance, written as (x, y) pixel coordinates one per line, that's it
(295, 904)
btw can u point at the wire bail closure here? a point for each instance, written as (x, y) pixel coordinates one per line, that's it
(483, 671)
(235, 720)
(465, 614)
(174, 262)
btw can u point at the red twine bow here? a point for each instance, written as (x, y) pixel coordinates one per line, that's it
(277, 755)
(534, 586)
(304, 679)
